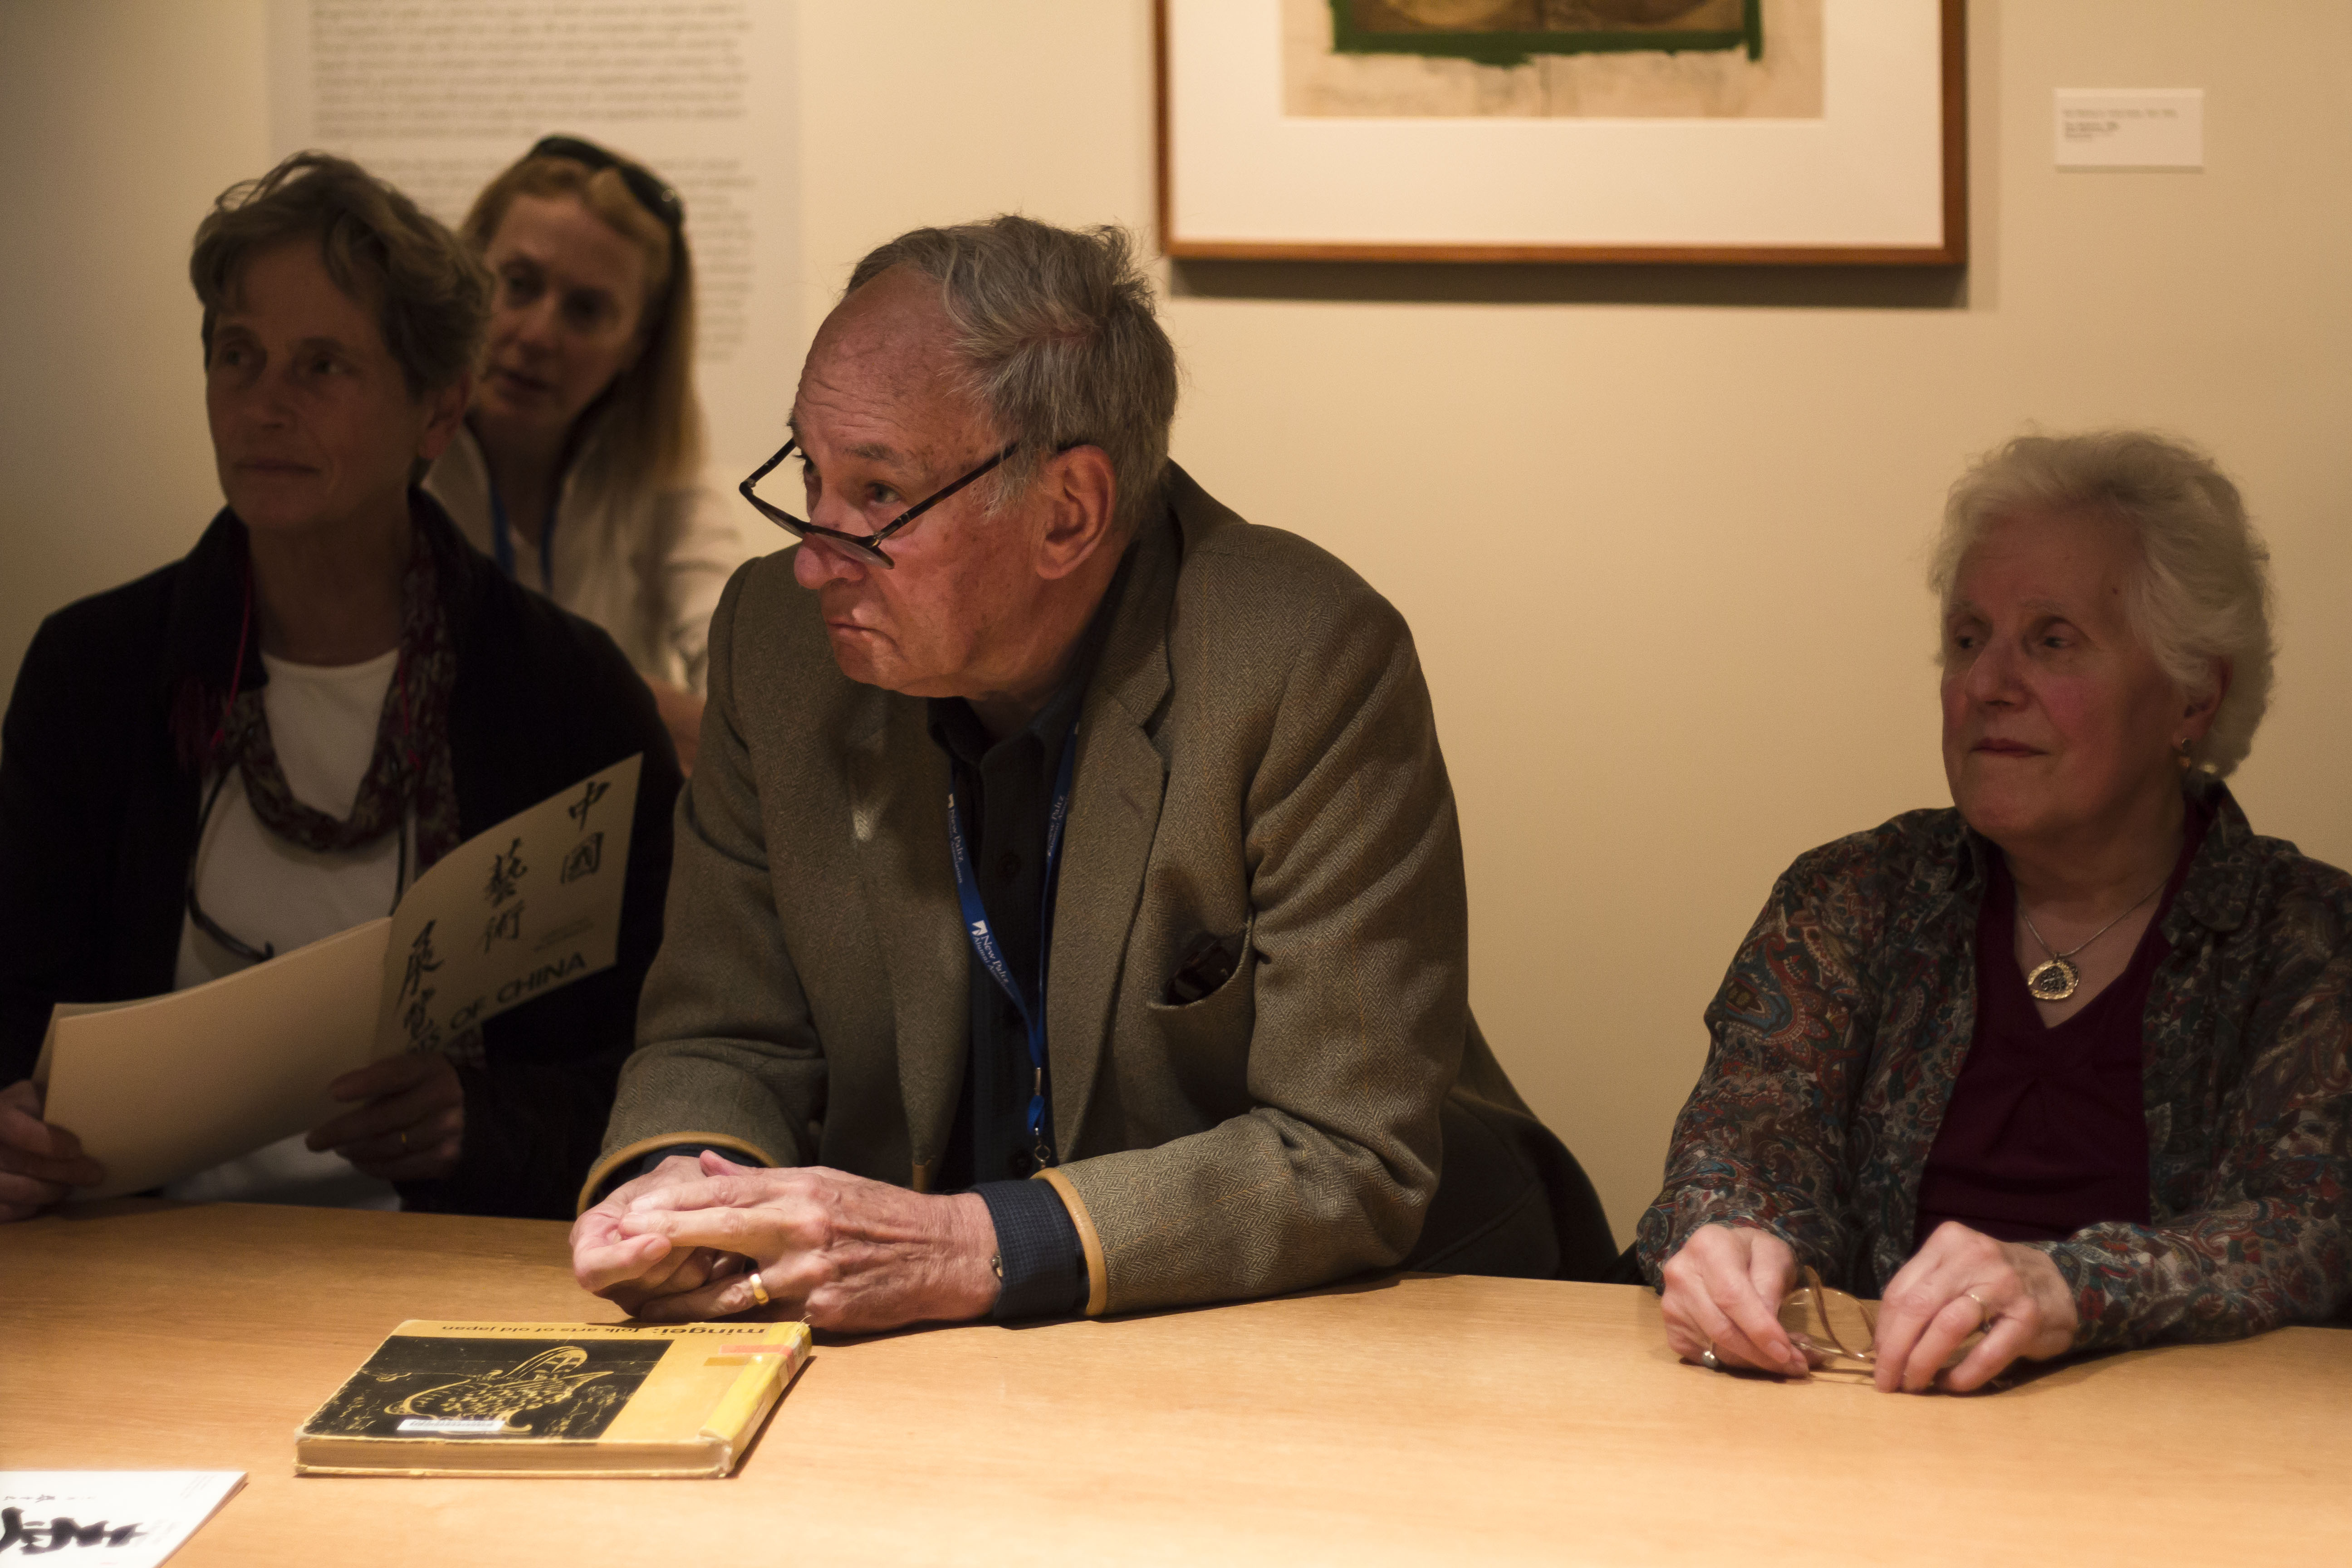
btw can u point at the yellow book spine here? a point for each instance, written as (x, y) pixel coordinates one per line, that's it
(779, 1353)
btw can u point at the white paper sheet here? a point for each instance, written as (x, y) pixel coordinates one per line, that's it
(176, 1084)
(160, 1089)
(108, 1518)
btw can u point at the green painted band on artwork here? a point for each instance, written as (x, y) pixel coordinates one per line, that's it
(1516, 49)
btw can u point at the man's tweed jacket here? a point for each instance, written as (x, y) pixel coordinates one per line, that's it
(1256, 760)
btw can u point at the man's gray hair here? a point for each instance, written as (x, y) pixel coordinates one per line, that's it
(2202, 592)
(1057, 334)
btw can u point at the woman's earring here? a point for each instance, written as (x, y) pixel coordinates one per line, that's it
(2180, 753)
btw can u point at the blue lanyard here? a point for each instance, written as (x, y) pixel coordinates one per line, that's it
(1030, 1005)
(503, 542)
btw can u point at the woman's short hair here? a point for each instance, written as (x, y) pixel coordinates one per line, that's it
(653, 420)
(1060, 341)
(2202, 592)
(431, 297)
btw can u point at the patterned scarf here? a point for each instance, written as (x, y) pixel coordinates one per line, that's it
(410, 767)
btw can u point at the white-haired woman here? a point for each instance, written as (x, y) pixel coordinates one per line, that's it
(2065, 1063)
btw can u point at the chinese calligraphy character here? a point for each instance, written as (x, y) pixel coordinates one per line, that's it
(507, 871)
(25, 1535)
(423, 1034)
(504, 926)
(588, 796)
(422, 962)
(584, 858)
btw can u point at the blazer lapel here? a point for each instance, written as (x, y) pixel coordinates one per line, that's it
(1114, 815)
(899, 821)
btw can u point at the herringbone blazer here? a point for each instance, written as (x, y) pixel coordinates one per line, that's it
(1256, 760)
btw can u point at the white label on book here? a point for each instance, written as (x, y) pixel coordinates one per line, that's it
(457, 1426)
(2153, 128)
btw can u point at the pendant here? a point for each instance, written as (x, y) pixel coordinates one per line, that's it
(2053, 982)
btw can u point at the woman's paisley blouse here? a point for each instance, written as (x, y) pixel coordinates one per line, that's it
(1842, 1025)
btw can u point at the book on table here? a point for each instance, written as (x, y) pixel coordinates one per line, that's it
(554, 1399)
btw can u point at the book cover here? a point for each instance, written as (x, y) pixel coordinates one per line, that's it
(554, 1399)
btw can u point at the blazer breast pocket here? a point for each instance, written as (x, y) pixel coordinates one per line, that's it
(1207, 1027)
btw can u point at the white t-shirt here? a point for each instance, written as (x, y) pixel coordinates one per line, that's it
(269, 893)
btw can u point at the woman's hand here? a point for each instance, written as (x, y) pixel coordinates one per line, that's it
(412, 1128)
(845, 1252)
(1962, 1280)
(1723, 1293)
(39, 1162)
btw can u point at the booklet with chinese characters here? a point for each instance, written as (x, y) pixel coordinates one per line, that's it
(108, 1518)
(164, 1088)
(554, 1399)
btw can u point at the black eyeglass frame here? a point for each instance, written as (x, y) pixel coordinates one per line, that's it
(653, 193)
(865, 546)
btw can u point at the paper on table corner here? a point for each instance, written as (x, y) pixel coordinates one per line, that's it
(113, 1519)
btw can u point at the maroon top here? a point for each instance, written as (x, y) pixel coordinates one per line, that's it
(2046, 1132)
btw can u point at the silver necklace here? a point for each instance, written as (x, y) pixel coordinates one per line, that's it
(2057, 979)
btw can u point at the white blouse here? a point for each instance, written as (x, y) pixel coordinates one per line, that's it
(649, 574)
(263, 890)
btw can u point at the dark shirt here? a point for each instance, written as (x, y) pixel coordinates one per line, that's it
(1003, 792)
(2047, 1133)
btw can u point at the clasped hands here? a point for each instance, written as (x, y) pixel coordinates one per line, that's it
(684, 1241)
(1723, 1293)
(410, 1127)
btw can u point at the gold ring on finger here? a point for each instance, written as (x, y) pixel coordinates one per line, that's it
(759, 1292)
(1985, 1314)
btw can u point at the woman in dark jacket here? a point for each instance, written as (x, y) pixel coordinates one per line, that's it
(263, 743)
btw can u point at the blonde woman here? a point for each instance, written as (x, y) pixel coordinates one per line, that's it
(578, 470)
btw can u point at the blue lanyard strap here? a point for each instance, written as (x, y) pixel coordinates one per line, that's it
(502, 542)
(1030, 1004)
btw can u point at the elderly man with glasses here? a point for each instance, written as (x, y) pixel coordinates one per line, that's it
(1068, 910)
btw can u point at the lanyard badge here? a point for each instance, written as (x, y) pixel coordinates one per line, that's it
(1029, 1002)
(502, 542)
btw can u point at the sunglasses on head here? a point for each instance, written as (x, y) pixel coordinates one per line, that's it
(652, 193)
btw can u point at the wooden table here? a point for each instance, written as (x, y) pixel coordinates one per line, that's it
(1420, 1420)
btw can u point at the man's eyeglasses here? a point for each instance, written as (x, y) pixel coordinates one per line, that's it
(652, 193)
(865, 546)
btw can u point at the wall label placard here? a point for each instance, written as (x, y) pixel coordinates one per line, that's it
(2142, 128)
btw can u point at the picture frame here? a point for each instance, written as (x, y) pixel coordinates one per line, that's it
(1275, 142)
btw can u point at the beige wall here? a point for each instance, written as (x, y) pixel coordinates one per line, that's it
(1660, 535)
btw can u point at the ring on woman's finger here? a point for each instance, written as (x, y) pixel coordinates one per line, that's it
(1707, 1359)
(1985, 1314)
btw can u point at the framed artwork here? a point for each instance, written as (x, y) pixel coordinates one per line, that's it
(1800, 132)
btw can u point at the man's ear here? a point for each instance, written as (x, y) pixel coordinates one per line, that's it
(1081, 498)
(445, 412)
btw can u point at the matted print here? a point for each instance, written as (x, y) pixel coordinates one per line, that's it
(1795, 130)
